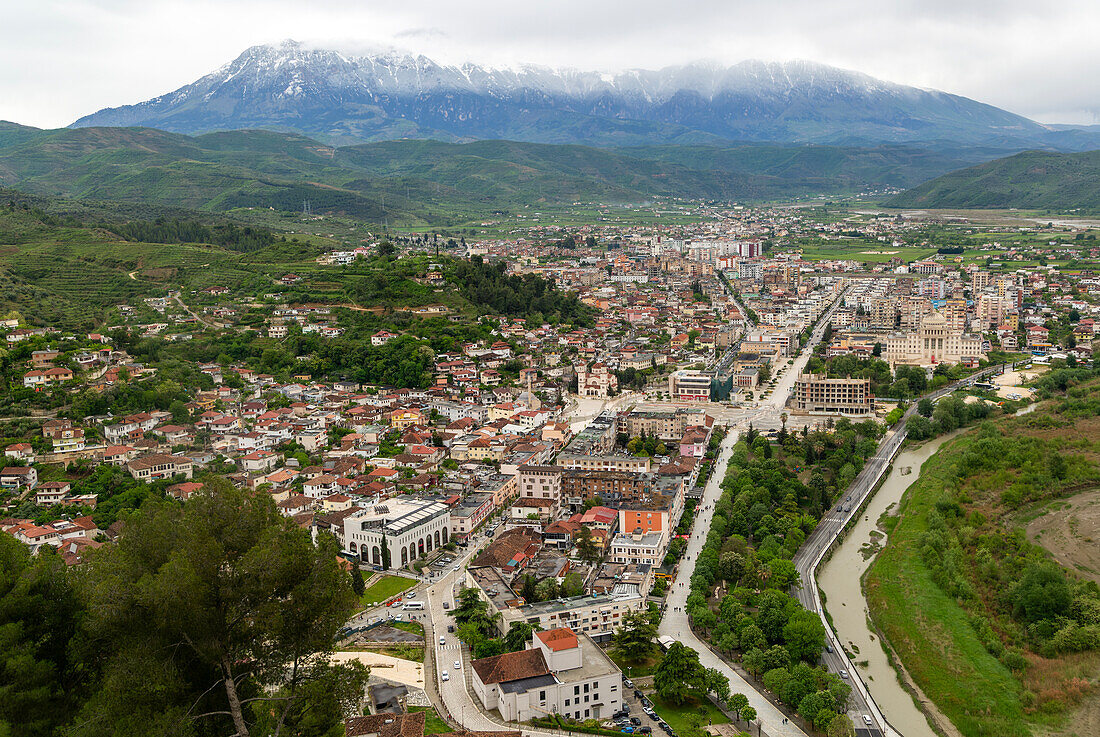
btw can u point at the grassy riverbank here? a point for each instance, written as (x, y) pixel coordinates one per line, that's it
(929, 631)
(996, 635)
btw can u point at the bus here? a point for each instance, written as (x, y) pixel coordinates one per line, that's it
(418, 605)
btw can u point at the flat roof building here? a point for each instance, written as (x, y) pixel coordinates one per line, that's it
(398, 529)
(817, 394)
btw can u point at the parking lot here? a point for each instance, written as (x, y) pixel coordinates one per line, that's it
(637, 715)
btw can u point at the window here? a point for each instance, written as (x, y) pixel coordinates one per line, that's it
(567, 702)
(542, 696)
(586, 689)
(576, 690)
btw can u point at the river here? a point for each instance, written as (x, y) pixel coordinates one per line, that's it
(840, 578)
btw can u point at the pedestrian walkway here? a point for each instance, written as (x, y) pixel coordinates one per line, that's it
(675, 623)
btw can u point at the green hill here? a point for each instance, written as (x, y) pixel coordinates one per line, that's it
(1032, 180)
(421, 181)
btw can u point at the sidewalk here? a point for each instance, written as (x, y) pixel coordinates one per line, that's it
(675, 623)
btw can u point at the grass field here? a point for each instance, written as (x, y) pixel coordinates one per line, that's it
(433, 723)
(385, 588)
(633, 669)
(680, 717)
(928, 629)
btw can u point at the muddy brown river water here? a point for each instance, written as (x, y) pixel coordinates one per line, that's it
(840, 580)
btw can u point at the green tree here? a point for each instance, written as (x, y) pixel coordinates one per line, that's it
(636, 638)
(804, 636)
(586, 547)
(519, 634)
(40, 688)
(748, 714)
(357, 583)
(678, 674)
(841, 726)
(718, 684)
(1042, 593)
(737, 703)
(209, 611)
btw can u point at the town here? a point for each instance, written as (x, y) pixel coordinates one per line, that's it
(527, 482)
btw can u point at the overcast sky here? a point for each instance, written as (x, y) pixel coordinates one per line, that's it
(60, 59)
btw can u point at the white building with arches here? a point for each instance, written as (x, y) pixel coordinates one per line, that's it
(409, 528)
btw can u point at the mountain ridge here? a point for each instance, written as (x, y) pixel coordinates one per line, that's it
(345, 98)
(428, 179)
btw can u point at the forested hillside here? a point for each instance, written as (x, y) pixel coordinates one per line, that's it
(1033, 180)
(415, 182)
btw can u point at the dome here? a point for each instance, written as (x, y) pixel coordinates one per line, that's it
(529, 398)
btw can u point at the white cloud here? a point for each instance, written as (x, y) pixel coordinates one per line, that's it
(60, 59)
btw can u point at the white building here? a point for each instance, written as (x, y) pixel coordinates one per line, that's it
(406, 528)
(598, 616)
(563, 673)
(647, 549)
(686, 385)
(933, 342)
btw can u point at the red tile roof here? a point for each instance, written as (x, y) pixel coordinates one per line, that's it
(511, 666)
(559, 639)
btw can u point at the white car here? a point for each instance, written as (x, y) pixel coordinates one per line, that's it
(458, 665)
(442, 640)
(445, 676)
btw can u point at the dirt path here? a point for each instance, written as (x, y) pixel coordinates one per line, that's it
(1069, 529)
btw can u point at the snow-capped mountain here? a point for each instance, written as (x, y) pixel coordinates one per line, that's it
(392, 94)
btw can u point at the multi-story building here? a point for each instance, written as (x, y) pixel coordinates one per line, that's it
(562, 673)
(638, 548)
(933, 342)
(598, 616)
(160, 466)
(687, 385)
(664, 424)
(540, 482)
(612, 487)
(400, 529)
(469, 512)
(817, 394)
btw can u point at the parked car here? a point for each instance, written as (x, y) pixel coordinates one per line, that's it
(867, 720)
(844, 674)
(638, 695)
(445, 676)
(628, 682)
(636, 721)
(450, 628)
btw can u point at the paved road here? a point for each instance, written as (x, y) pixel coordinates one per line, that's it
(825, 534)
(674, 622)
(782, 390)
(443, 650)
